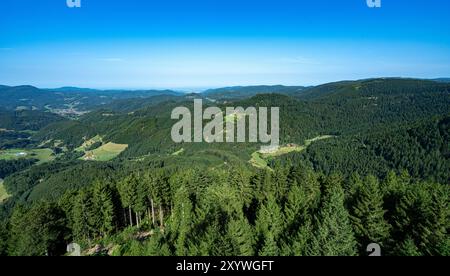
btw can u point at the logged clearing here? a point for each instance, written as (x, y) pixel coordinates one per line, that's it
(259, 159)
(43, 155)
(3, 194)
(105, 153)
(318, 138)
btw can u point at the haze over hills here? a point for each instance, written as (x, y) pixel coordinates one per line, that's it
(242, 92)
(67, 100)
(74, 101)
(442, 79)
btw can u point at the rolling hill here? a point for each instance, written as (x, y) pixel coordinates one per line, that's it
(67, 100)
(389, 136)
(243, 92)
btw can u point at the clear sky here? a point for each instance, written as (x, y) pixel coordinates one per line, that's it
(213, 43)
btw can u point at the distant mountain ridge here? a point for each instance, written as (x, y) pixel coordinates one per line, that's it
(67, 99)
(76, 101)
(242, 92)
(371, 87)
(442, 80)
(337, 109)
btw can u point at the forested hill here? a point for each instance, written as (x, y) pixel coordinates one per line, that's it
(68, 98)
(31, 120)
(395, 87)
(243, 92)
(384, 155)
(349, 110)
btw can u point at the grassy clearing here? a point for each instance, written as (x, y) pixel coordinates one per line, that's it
(45, 143)
(259, 159)
(105, 153)
(283, 150)
(89, 143)
(43, 155)
(3, 194)
(178, 152)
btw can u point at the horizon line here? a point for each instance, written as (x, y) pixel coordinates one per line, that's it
(190, 89)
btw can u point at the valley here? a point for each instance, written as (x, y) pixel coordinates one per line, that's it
(240, 130)
(117, 159)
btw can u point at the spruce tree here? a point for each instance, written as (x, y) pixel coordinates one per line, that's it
(352, 186)
(297, 244)
(127, 192)
(16, 225)
(181, 221)
(4, 233)
(83, 217)
(239, 179)
(333, 235)
(296, 234)
(435, 229)
(270, 247)
(269, 225)
(407, 248)
(368, 215)
(104, 205)
(280, 183)
(38, 231)
(422, 216)
(157, 246)
(241, 236)
(295, 208)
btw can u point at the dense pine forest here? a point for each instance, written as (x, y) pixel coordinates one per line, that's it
(290, 211)
(381, 176)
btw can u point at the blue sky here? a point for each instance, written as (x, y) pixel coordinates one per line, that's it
(212, 43)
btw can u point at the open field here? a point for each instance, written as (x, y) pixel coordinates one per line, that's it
(105, 153)
(3, 194)
(43, 155)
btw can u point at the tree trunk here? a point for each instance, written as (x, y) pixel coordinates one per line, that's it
(161, 216)
(129, 213)
(153, 211)
(137, 219)
(124, 216)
